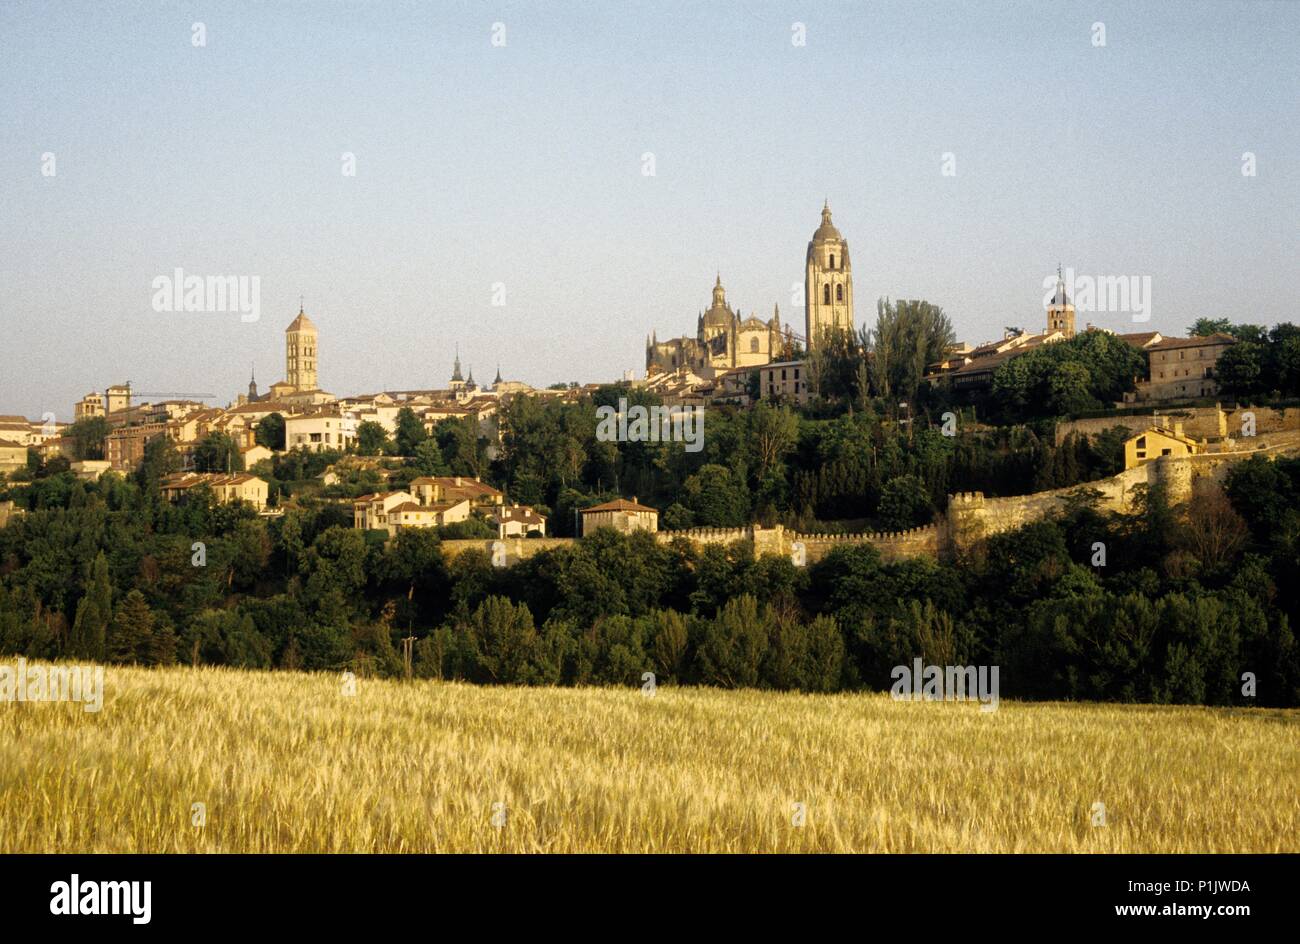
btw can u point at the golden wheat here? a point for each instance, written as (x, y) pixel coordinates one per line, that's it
(286, 762)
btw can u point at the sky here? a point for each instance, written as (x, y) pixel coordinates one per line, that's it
(501, 154)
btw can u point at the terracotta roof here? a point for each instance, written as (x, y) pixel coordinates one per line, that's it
(525, 514)
(191, 479)
(1217, 338)
(620, 504)
(11, 444)
(302, 322)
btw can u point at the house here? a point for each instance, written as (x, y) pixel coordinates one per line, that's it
(482, 497)
(1157, 441)
(1183, 368)
(370, 512)
(621, 515)
(13, 456)
(320, 430)
(89, 470)
(784, 380)
(9, 511)
(414, 515)
(515, 521)
(124, 446)
(252, 455)
(973, 371)
(227, 487)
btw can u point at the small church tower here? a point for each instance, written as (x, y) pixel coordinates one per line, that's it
(300, 353)
(1060, 311)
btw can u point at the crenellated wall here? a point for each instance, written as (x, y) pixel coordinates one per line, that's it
(971, 516)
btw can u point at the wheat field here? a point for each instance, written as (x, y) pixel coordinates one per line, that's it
(286, 762)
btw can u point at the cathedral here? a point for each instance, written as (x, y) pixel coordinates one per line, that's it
(724, 340)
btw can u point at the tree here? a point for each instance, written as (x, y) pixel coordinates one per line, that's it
(1204, 327)
(410, 432)
(904, 503)
(1213, 531)
(88, 435)
(270, 432)
(773, 432)
(131, 633)
(1239, 369)
(910, 335)
(733, 645)
(372, 438)
(94, 614)
(717, 498)
(429, 459)
(218, 452)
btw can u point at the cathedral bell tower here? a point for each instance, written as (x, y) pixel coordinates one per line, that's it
(828, 283)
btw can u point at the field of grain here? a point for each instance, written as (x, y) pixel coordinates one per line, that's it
(286, 762)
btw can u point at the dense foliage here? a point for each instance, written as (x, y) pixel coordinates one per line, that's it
(1186, 601)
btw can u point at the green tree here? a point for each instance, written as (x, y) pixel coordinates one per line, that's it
(372, 438)
(88, 435)
(218, 452)
(1240, 369)
(131, 633)
(410, 432)
(731, 652)
(717, 498)
(904, 503)
(94, 614)
(270, 432)
(1204, 327)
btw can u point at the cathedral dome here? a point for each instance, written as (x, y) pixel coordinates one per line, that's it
(827, 231)
(719, 315)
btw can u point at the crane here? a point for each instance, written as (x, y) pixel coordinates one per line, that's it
(132, 394)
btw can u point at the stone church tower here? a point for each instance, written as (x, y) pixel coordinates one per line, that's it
(300, 354)
(1060, 310)
(828, 282)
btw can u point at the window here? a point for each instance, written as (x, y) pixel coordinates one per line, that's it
(832, 260)
(826, 294)
(1142, 442)
(839, 293)
(1165, 452)
(753, 345)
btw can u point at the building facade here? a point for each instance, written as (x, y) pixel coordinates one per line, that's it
(621, 515)
(1183, 368)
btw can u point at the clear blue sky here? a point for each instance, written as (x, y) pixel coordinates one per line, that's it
(522, 165)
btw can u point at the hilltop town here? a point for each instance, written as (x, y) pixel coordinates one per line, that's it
(362, 447)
